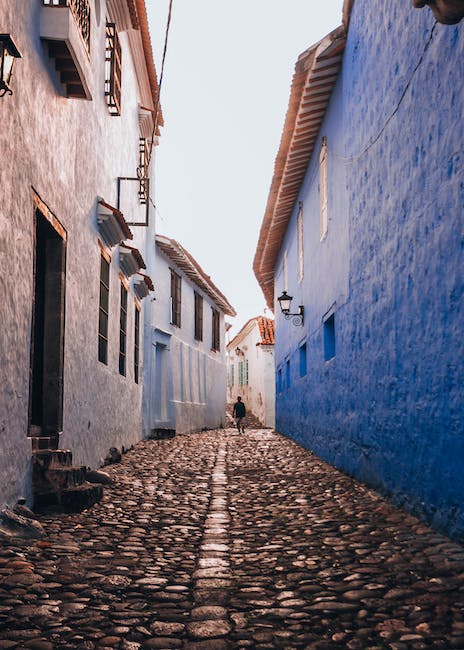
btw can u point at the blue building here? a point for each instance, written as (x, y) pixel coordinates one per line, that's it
(364, 228)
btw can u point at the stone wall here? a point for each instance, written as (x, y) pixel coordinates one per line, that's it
(70, 152)
(389, 407)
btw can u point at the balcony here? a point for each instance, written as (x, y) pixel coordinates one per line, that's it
(65, 26)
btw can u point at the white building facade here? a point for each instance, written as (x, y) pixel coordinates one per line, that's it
(74, 133)
(251, 369)
(185, 370)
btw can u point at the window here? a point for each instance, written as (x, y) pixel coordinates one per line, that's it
(136, 344)
(142, 171)
(216, 343)
(113, 70)
(198, 316)
(245, 374)
(287, 373)
(231, 374)
(279, 380)
(323, 189)
(175, 298)
(123, 331)
(329, 338)
(300, 244)
(103, 309)
(240, 373)
(303, 361)
(285, 272)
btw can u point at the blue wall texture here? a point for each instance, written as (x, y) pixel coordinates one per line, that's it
(388, 407)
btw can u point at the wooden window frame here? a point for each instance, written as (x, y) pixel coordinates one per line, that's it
(323, 190)
(123, 330)
(103, 312)
(136, 343)
(215, 330)
(198, 304)
(300, 244)
(176, 299)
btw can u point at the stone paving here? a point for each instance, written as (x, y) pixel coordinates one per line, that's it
(217, 541)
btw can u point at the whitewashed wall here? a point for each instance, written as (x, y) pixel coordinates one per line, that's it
(70, 151)
(196, 375)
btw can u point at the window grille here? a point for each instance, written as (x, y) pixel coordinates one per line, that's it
(103, 310)
(142, 171)
(240, 373)
(136, 344)
(123, 331)
(113, 71)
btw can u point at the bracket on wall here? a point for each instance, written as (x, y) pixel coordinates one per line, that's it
(121, 181)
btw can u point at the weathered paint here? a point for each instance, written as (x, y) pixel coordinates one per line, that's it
(388, 408)
(71, 152)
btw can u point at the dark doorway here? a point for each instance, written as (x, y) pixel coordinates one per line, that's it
(46, 389)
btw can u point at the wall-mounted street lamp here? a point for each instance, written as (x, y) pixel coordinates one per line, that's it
(285, 302)
(8, 53)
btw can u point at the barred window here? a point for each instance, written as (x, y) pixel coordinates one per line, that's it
(136, 344)
(123, 331)
(103, 310)
(113, 70)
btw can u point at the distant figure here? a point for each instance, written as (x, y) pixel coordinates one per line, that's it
(239, 412)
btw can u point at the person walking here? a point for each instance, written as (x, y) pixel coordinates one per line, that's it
(239, 412)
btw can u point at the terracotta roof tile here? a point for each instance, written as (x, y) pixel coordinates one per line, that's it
(266, 329)
(316, 72)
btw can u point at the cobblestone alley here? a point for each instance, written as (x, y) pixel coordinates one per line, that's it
(215, 541)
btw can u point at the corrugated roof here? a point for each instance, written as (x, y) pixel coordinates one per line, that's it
(316, 71)
(186, 263)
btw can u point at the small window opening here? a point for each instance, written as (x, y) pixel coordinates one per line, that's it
(329, 338)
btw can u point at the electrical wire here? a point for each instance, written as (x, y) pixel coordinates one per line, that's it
(157, 105)
(355, 157)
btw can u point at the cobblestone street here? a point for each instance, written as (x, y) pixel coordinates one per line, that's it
(218, 540)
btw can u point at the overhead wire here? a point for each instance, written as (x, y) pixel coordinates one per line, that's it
(355, 157)
(157, 104)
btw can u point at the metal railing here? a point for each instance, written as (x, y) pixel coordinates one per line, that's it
(80, 9)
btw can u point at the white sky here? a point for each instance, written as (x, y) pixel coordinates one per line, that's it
(224, 98)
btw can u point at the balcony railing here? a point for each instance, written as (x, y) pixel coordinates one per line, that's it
(80, 10)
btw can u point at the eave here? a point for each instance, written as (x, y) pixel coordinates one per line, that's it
(188, 265)
(316, 72)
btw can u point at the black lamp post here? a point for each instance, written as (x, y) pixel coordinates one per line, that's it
(8, 53)
(285, 302)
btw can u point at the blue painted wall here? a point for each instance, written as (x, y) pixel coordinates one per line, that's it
(388, 408)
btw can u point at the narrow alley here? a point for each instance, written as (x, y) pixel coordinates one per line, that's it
(217, 540)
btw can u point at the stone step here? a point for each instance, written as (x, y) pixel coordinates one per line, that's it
(48, 458)
(72, 499)
(44, 442)
(60, 478)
